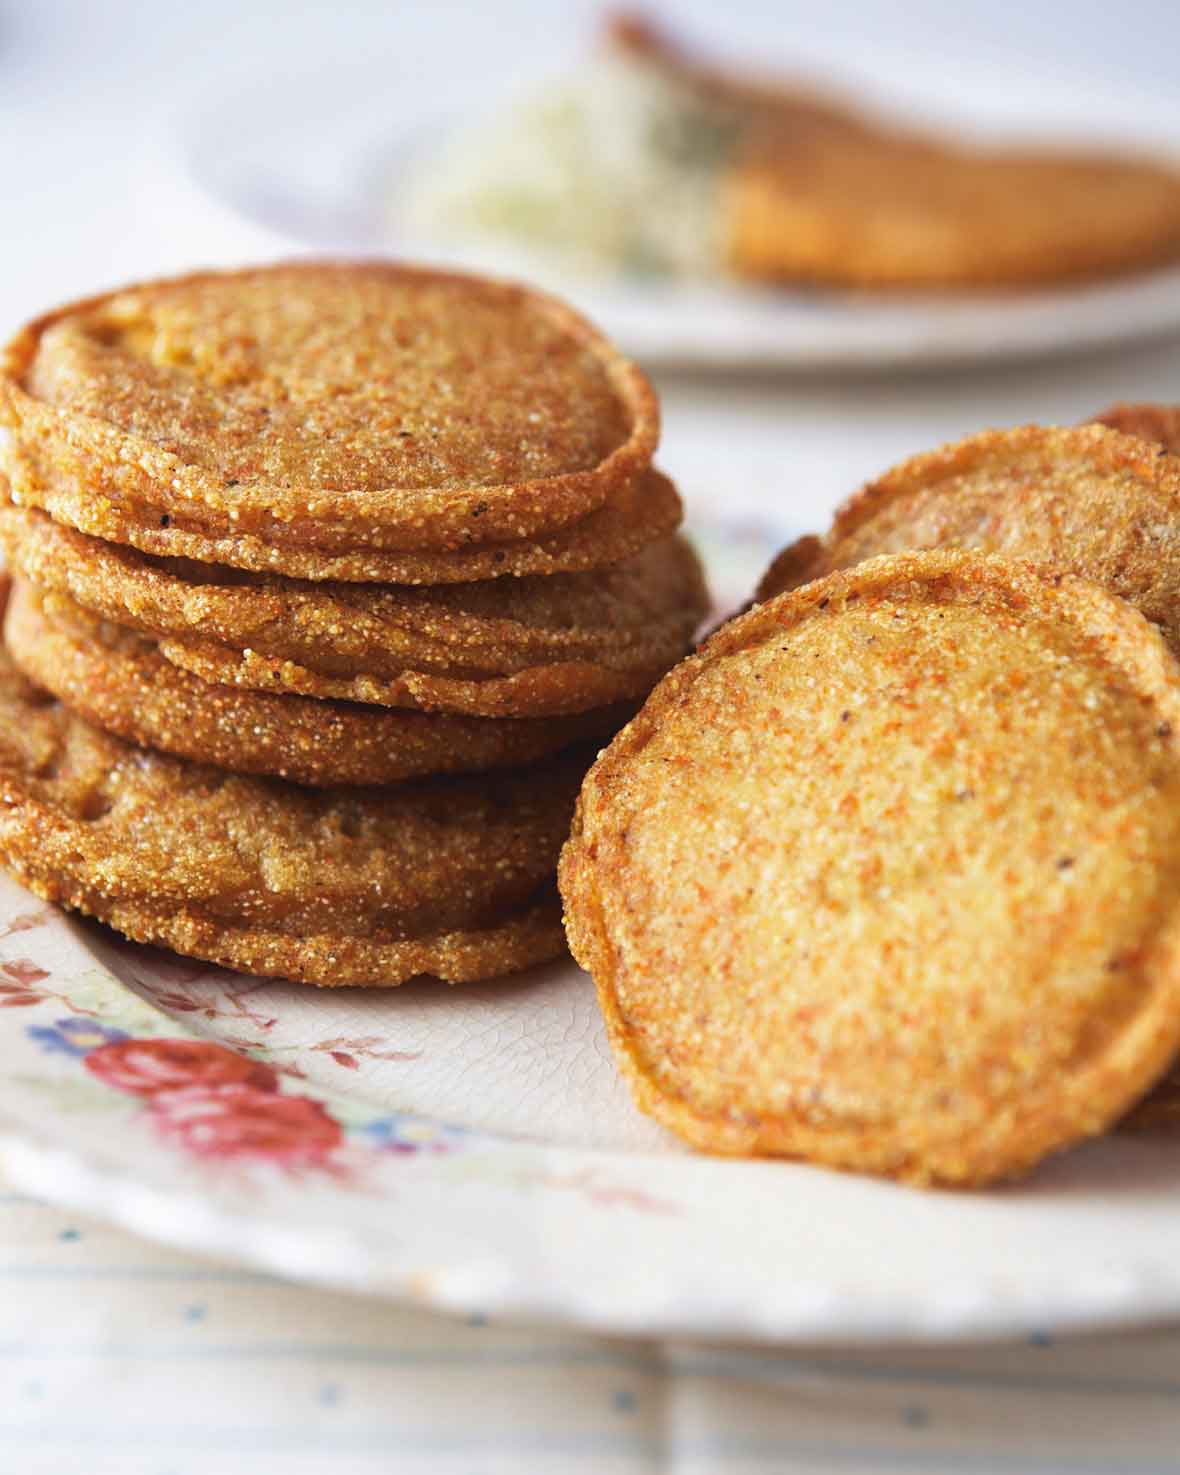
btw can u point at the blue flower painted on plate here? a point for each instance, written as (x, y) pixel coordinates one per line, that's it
(406, 1135)
(75, 1037)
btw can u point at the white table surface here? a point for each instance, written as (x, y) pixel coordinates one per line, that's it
(119, 1358)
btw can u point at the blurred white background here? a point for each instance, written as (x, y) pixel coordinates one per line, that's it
(96, 98)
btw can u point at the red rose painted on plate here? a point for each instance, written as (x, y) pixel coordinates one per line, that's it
(240, 1121)
(213, 1102)
(149, 1067)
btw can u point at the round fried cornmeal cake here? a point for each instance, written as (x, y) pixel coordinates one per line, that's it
(332, 406)
(502, 648)
(640, 513)
(1088, 500)
(888, 875)
(118, 680)
(448, 877)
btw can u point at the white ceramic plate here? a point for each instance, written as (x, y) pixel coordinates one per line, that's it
(314, 164)
(473, 1149)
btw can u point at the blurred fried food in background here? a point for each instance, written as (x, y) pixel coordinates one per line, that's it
(653, 160)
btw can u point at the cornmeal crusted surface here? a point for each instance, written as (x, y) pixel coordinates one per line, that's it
(642, 512)
(119, 681)
(207, 478)
(886, 875)
(1088, 500)
(339, 406)
(509, 647)
(445, 876)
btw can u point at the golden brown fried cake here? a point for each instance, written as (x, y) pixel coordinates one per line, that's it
(643, 512)
(1158, 423)
(451, 877)
(889, 210)
(118, 680)
(508, 647)
(330, 407)
(888, 875)
(1088, 500)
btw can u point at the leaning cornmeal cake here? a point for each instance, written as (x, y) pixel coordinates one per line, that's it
(887, 876)
(325, 576)
(1088, 499)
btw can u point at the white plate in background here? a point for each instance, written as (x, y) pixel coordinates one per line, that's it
(314, 163)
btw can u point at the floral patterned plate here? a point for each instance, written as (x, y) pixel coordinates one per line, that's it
(473, 1149)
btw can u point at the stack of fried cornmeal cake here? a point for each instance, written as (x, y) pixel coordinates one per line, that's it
(328, 580)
